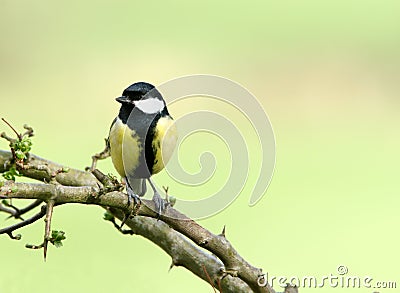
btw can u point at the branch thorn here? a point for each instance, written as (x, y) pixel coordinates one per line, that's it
(223, 232)
(171, 266)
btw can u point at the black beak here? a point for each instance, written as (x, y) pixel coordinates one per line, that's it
(123, 99)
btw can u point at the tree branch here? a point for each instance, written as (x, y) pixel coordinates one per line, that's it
(223, 264)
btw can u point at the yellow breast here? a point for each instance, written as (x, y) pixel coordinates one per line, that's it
(125, 148)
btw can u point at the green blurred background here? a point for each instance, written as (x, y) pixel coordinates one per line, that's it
(326, 72)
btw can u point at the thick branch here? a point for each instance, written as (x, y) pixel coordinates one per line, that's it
(71, 178)
(81, 187)
(183, 252)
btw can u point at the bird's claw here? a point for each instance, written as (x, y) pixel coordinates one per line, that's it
(132, 197)
(135, 198)
(160, 204)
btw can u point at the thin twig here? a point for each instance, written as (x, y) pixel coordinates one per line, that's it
(28, 132)
(209, 278)
(14, 211)
(101, 156)
(18, 134)
(47, 230)
(6, 137)
(34, 218)
(33, 246)
(10, 205)
(26, 209)
(118, 227)
(6, 210)
(219, 284)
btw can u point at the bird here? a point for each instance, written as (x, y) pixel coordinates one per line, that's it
(141, 140)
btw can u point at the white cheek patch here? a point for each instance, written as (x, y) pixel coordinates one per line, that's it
(150, 106)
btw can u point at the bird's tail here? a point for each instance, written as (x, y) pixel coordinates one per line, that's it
(137, 185)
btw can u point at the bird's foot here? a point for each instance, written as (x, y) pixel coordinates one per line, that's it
(160, 204)
(132, 197)
(135, 198)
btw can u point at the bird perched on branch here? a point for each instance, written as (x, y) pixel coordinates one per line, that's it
(142, 139)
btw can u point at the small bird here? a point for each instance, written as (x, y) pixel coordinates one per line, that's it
(142, 139)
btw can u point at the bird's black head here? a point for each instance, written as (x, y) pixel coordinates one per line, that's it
(138, 91)
(145, 98)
